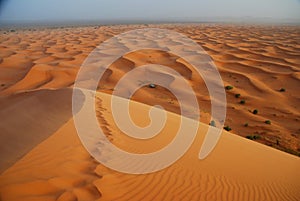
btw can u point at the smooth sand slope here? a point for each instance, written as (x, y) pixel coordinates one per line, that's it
(29, 118)
(238, 169)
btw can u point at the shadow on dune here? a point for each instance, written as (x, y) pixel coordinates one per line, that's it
(29, 118)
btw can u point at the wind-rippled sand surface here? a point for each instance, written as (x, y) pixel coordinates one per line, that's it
(37, 71)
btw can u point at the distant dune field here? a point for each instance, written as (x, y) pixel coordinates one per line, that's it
(42, 157)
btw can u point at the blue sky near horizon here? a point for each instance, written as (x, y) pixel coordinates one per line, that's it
(155, 10)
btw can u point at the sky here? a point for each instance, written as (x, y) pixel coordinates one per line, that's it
(149, 10)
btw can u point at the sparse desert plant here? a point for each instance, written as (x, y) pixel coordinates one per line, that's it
(12, 30)
(246, 124)
(250, 137)
(227, 128)
(253, 137)
(256, 137)
(152, 85)
(282, 90)
(229, 87)
(255, 111)
(237, 95)
(268, 122)
(242, 102)
(212, 123)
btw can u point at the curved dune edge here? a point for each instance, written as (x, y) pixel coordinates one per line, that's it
(238, 169)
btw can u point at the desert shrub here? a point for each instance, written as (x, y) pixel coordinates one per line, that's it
(255, 111)
(152, 85)
(212, 123)
(250, 137)
(227, 128)
(12, 30)
(242, 102)
(246, 124)
(229, 87)
(268, 122)
(237, 95)
(282, 90)
(256, 137)
(253, 137)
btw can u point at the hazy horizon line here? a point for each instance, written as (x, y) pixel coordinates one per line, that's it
(225, 20)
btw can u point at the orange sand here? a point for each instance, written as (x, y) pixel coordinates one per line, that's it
(37, 72)
(238, 169)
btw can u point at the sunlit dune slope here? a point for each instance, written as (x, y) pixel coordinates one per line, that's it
(238, 169)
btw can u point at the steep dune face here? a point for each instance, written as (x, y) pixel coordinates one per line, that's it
(238, 169)
(57, 169)
(28, 118)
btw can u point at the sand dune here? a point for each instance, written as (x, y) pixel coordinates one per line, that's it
(256, 60)
(43, 159)
(40, 113)
(257, 70)
(238, 169)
